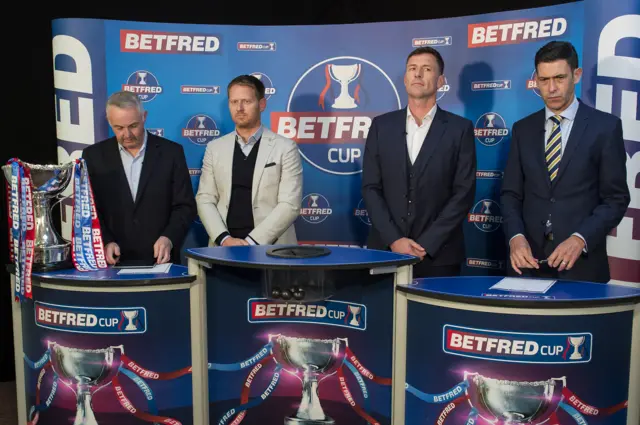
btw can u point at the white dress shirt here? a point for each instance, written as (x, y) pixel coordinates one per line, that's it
(417, 133)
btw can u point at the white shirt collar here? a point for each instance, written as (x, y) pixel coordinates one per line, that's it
(567, 114)
(431, 114)
(144, 144)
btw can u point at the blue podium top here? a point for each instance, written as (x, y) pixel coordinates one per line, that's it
(563, 294)
(338, 258)
(109, 277)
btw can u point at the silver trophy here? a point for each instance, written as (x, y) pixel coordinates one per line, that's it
(514, 402)
(85, 372)
(51, 251)
(315, 360)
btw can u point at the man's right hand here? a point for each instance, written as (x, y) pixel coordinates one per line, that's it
(112, 250)
(234, 242)
(409, 247)
(521, 256)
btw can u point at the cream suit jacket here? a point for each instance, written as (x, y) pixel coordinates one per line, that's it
(276, 190)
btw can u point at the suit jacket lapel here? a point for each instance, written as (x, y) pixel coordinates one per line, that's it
(577, 130)
(264, 150)
(431, 141)
(227, 150)
(150, 159)
(113, 153)
(539, 145)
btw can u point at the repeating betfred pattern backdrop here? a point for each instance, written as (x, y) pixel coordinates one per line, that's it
(324, 84)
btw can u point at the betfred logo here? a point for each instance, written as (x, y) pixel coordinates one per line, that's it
(200, 89)
(514, 347)
(156, 131)
(432, 41)
(330, 109)
(532, 84)
(490, 129)
(269, 88)
(315, 208)
(484, 263)
(491, 85)
(260, 46)
(201, 129)
(486, 215)
(168, 42)
(515, 31)
(91, 320)
(329, 313)
(362, 213)
(489, 174)
(144, 84)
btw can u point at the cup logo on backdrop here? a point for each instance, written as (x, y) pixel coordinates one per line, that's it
(490, 129)
(269, 89)
(156, 131)
(330, 109)
(315, 208)
(532, 84)
(432, 41)
(361, 213)
(201, 129)
(144, 84)
(486, 215)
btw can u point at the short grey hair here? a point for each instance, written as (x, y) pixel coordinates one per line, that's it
(125, 99)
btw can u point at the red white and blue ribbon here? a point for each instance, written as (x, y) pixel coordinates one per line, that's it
(87, 246)
(22, 227)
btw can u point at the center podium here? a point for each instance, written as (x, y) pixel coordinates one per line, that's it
(294, 334)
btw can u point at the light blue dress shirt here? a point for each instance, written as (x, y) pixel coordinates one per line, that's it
(133, 166)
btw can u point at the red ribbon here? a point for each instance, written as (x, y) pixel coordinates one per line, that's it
(587, 409)
(364, 371)
(326, 86)
(127, 405)
(450, 407)
(244, 395)
(149, 374)
(347, 395)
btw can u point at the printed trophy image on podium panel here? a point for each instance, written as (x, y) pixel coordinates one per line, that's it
(51, 251)
(85, 372)
(311, 361)
(514, 402)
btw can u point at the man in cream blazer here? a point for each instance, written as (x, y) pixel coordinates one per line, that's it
(250, 190)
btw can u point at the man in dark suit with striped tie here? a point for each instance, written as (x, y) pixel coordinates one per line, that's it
(565, 183)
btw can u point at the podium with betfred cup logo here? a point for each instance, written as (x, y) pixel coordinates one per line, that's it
(297, 334)
(516, 351)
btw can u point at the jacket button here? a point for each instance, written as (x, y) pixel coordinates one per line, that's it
(553, 200)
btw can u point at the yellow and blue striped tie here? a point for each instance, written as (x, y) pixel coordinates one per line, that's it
(553, 149)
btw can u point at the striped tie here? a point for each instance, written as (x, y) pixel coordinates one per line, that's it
(553, 150)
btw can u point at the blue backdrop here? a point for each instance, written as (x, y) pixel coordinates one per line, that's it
(181, 72)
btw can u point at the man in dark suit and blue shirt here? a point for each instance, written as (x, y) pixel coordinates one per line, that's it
(142, 187)
(419, 171)
(565, 182)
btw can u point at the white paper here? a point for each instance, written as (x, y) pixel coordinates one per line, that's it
(158, 268)
(540, 286)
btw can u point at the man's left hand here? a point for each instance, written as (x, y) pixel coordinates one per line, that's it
(566, 254)
(162, 250)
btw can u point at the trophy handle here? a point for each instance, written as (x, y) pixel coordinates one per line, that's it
(59, 198)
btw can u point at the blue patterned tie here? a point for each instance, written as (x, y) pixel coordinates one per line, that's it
(553, 149)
